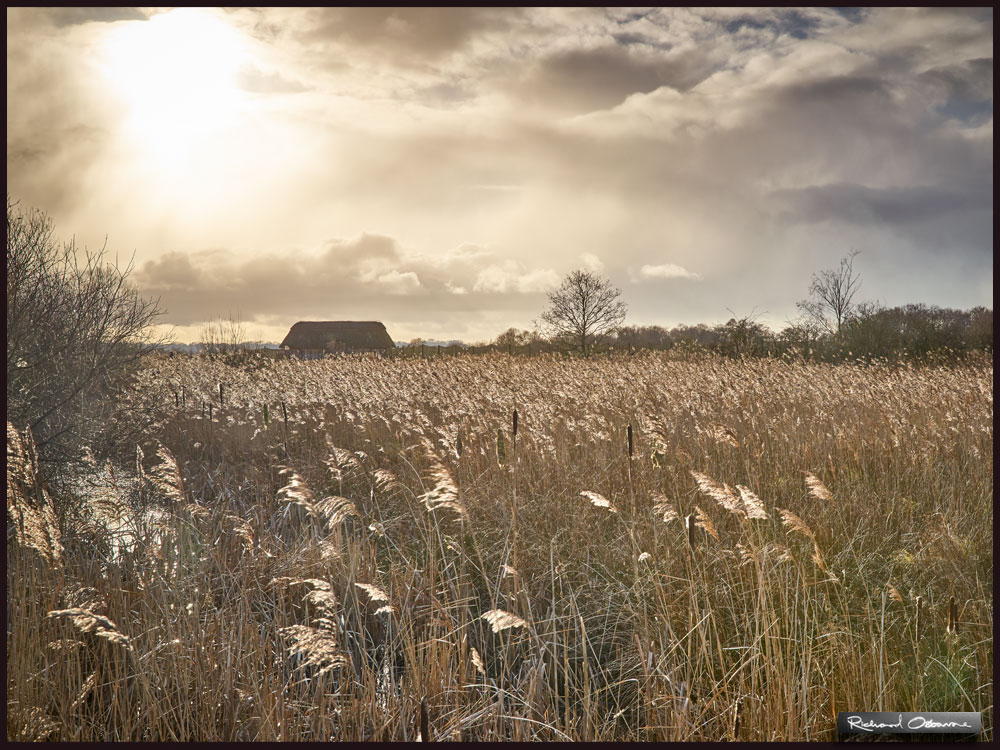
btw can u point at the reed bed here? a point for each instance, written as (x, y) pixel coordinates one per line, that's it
(653, 548)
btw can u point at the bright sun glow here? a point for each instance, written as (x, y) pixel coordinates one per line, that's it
(177, 74)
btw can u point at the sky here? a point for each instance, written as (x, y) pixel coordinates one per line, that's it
(442, 170)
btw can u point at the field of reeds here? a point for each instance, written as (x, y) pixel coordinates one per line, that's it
(496, 548)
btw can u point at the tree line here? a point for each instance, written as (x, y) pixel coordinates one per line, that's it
(586, 314)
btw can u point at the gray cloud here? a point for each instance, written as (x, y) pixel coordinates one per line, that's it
(858, 204)
(408, 36)
(367, 276)
(582, 80)
(75, 16)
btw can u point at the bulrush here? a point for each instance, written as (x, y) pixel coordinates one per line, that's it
(542, 620)
(165, 476)
(444, 494)
(599, 501)
(704, 522)
(752, 504)
(663, 508)
(501, 449)
(918, 606)
(378, 596)
(501, 620)
(817, 489)
(314, 647)
(723, 494)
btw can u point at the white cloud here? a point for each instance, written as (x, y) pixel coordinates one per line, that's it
(399, 283)
(667, 271)
(511, 277)
(593, 263)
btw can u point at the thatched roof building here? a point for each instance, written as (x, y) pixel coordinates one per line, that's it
(338, 336)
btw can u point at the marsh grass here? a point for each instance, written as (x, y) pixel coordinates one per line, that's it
(383, 562)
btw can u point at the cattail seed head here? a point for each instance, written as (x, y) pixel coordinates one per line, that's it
(425, 728)
(630, 447)
(690, 529)
(515, 422)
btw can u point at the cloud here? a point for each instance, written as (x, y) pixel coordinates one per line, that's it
(368, 276)
(583, 80)
(251, 78)
(75, 16)
(508, 146)
(408, 37)
(592, 263)
(859, 204)
(667, 271)
(395, 282)
(512, 277)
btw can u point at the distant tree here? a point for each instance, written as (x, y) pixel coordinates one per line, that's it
(744, 336)
(228, 337)
(583, 308)
(648, 337)
(801, 336)
(916, 331)
(514, 337)
(831, 295)
(978, 333)
(510, 337)
(75, 327)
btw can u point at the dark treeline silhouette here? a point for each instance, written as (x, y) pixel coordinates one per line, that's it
(914, 332)
(909, 332)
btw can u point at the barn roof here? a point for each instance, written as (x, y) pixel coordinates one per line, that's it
(349, 333)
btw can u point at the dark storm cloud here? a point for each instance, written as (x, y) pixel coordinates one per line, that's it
(966, 89)
(75, 16)
(585, 80)
(408, 36)
(858, 204)
(969, 79)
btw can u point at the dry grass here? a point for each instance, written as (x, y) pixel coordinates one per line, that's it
(391, 561)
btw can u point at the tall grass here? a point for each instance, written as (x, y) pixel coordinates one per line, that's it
(355, 572)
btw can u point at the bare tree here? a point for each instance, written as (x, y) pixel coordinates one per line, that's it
(74, 325)
(831, 295)
(744, 336)
(583, 307)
